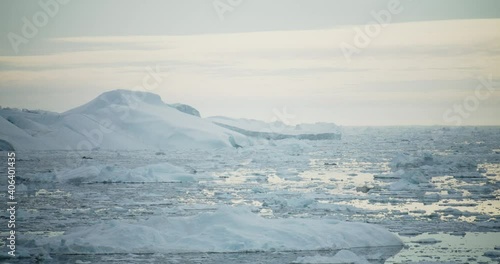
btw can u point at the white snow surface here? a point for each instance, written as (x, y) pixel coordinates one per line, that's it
(119, 120)
(229, 229)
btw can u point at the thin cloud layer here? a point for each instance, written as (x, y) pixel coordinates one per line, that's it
(296, 68)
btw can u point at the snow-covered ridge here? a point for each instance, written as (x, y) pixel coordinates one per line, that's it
(117, 120)
(279, 130)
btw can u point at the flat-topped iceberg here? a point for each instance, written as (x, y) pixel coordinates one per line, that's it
(98, 173)
(279, 130)
(229, 229)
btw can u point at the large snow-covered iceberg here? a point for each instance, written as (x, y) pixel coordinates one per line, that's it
(118, 119)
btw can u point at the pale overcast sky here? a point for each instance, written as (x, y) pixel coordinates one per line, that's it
(263, 55)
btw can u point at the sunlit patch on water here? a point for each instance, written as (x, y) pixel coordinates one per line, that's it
(443, 247)
(52, 194)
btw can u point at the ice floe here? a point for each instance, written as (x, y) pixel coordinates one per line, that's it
(229, 229)
(98, 173)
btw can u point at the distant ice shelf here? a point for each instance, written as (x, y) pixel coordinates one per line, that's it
(279, 130)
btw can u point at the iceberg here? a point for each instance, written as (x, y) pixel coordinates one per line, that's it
(279, 130)
(229, 229)
(115, 120)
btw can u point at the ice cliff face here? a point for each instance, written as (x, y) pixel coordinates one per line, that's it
(186, 109)
(5, 146)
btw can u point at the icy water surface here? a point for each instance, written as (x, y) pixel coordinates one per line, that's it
(437, 188)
